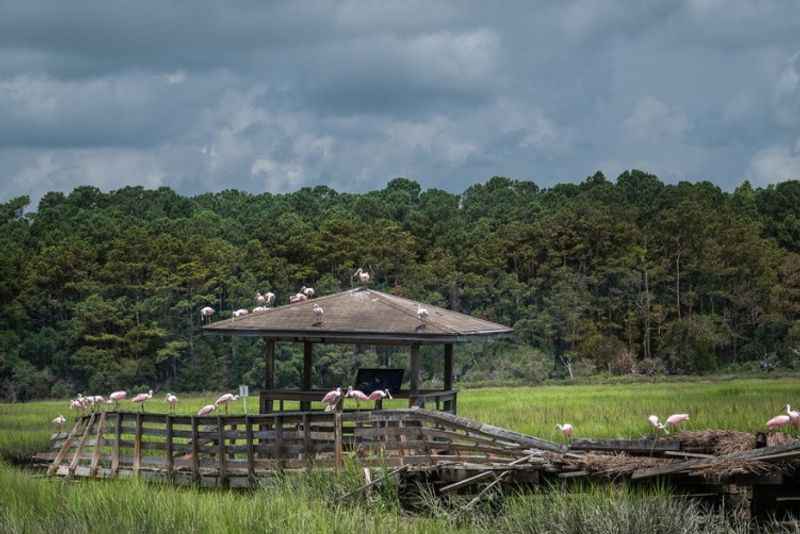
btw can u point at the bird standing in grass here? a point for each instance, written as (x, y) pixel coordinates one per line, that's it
(141, 398)
(566, 430)
(172, 400)
(225, 399)
(794, 416)
(657, 424)
(676, 419)
(59, 422)
(779, 421)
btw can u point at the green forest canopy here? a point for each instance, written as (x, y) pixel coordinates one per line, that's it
(103, 290)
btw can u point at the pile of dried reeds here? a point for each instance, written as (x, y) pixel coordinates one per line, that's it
(716, 441)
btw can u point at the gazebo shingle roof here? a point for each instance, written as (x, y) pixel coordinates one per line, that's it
(360, 315)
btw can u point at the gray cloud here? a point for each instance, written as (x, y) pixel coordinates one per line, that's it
(274, 96)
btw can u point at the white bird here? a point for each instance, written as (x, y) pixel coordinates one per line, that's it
(59, 422)
(260, 309)
(307, 291)
(260, 299)
(269, 297)
(363, 276)
(240, 313)
(206, 313)
(298, 297)
(141, 398)
(318, 312)
(207, 409)
(172, 400)
(566, 429)
(225, 399)
(422, 313)
(331, 398)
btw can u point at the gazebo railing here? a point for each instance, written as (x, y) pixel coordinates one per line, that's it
(276, 400)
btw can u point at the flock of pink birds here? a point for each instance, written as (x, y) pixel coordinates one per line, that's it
(332, 398)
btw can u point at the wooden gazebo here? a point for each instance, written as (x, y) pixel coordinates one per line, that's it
(360, 316)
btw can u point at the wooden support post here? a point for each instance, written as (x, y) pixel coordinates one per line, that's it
(64, 448)
(98, 446)
(170, 449)
(413, 380)
(269, 371)
(115, 450)
(195, 452)
(337, 436)
(137, 445)
(278, 443)
(308, 445)
(448, 374)
(221, 457)
(77, 456)
(307, 356)
(251, 457)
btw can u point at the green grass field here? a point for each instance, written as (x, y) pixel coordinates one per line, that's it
(30, 504)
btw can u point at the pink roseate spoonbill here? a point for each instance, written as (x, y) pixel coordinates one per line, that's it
(260, 299)
(172, 400)
(779, 421)
(379, 394)
(207, 409)
(269, 298)
(240, 313)
(794, 416)
(422, 313)
(566, 430)
(676, 419)
(362, 275)
(141, 398)
(76, 405)
(260, 309)
(298, 297)
(59, 422)
(307, 291)
(357, 395)
(657, 424)
(206, 313)
(225, 399)
(117, 396)
(318, 313)
(331, 399)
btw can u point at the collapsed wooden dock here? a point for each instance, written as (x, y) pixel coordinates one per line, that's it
(450, 454)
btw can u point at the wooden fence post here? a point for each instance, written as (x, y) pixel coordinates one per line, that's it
(115, 450)
(170, 449)
(77, 457)
(337, 436)
(195, 452)
(137, 445)
(98, 445)
(222, 460)
(251, 467)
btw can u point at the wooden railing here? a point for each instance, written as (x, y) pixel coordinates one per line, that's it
(277, 400)
(236, 450)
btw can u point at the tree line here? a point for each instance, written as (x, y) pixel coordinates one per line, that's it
(101, 290)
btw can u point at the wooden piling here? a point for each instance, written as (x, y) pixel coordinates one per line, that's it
(98, 446)
(195, 452)
(137, 445)
(170, 448)
(251, 460)
(222, 460)
(115, 449)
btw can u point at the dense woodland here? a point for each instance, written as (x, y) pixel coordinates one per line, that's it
(103, 290)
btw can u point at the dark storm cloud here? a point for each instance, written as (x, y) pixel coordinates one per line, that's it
(276, 95)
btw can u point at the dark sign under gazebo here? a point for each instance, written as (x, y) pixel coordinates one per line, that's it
(360, 316)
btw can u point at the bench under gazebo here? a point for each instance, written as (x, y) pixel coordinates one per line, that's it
(360, 317)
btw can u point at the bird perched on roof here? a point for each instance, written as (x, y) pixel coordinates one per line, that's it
(422, 313)
(269, 298)
(318, 312)
(260, 299)
(363, 276)
(206, 313)
(260, 309)
(240, 313)
(298, 297)
(307, 291)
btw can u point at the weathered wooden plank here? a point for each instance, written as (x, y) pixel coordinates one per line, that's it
(195, 451)
(337, 430)
(115, 452)
(644, 446)
(76, 458)
(482, 475)
(98, 445)
(64, 448)
(251, 455)
(170, 452)
(221, 456)
(137, 444)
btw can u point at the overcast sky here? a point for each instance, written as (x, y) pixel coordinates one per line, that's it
(272, 96)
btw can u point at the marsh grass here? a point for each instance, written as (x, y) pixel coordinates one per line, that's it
(308, 503)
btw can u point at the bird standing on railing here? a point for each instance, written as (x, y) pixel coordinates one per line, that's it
(59, 422)
(172, 400)
(356, 394)
(207, 409)
(331, 399)
(117, 396)
(379, 395)
(141, 398)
